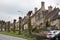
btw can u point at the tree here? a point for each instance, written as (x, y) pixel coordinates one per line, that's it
(9, 26)
(47, 24)
(14, 25)
(29, 22)
(1, 25)
(20, 25)
(5, 26)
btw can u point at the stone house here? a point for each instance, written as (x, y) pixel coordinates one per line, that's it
(40, 16)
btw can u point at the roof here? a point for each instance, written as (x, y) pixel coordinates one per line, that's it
(56, 16)
(52, 13)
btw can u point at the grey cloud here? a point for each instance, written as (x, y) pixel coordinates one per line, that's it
(12, 9)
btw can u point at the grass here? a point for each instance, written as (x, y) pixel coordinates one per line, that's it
(23, 35)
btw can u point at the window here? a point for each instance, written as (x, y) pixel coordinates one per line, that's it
(37, 17)
(41, 16)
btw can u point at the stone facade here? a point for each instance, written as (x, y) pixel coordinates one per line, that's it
(40, 16)
(24, 22)
(55, 23)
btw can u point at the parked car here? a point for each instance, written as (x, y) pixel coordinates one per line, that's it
(54, 34)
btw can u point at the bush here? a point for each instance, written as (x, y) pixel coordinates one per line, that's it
(36, 30)
(33, 29)
(47, 24)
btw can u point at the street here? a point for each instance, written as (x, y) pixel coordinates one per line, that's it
(6, 37)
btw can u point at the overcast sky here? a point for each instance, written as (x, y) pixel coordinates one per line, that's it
(12, 9)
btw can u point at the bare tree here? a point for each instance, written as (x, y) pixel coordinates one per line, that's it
(14, 25)
(29, 22)
(20, 26)
(9, 26)
(1, 25)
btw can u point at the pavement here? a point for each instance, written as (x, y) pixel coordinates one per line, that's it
(6, 37)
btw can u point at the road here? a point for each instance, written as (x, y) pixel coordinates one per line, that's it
(6, 37)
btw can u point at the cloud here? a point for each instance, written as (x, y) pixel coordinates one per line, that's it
(9, 8)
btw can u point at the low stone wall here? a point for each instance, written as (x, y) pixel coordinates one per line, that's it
(41, 35)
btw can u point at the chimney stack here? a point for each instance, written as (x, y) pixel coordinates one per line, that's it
(50, 8)
(43, 5)
(35, 9)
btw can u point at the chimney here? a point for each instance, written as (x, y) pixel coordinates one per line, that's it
(50, 8)
(35, 9)
(43, 5)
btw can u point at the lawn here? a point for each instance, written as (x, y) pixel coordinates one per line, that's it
(23, 35)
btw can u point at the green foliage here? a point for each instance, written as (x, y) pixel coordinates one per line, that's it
(36, 30)
(47, 24)
(11, 29)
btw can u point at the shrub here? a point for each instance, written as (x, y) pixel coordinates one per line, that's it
(36, 30)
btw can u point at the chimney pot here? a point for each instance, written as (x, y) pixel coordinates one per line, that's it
(50, 8)
(35, 9)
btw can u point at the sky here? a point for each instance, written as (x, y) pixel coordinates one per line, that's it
(12, 9)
